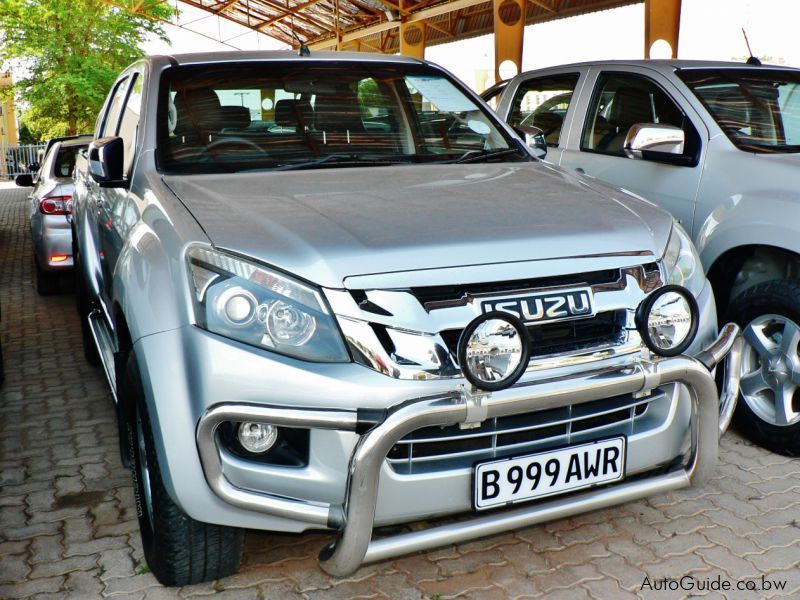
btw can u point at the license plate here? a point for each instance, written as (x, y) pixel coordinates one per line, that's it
(511, 480)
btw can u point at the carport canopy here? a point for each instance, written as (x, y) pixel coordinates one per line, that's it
(408, 26)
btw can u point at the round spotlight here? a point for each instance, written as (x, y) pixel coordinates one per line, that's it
(668, 320)
(257, 437)
(493, 351)
(237, 306)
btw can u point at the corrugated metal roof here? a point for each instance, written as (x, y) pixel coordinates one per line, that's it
(374, 24)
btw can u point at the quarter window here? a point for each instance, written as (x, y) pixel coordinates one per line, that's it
(543, 103)
(621, 101)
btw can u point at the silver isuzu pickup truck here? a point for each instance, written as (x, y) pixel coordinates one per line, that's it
(334, 291)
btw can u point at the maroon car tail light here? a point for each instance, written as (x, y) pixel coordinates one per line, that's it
(56, 205)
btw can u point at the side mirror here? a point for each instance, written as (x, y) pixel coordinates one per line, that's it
(106, 159)
(24, 180)
(647, 140)
(534, 139)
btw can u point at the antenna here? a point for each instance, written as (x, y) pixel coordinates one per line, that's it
(752, 60)
(304, 51)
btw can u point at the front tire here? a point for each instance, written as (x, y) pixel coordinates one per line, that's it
(179, 550)
(768, 411)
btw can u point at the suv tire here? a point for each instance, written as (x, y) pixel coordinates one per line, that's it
(768, 411)
(179, 550)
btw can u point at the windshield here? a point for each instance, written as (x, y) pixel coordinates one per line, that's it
(299, 114)
(759, 110)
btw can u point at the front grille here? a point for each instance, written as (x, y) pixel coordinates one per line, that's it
(430, 296)
(604, 329)
(434, 449)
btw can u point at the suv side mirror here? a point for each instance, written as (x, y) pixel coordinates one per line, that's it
(649, 140)
(24, 180)
(534, 139)
(106, 159)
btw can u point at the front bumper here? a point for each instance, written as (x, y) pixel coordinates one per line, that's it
(355, 517)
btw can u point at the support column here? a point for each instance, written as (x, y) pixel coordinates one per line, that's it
(662, 21)
(509, 30)
(412, 39)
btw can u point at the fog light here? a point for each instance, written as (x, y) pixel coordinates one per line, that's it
(493, 351)
(668, 320)
(257, 437)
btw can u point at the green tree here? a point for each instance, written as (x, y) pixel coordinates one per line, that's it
(68, 53)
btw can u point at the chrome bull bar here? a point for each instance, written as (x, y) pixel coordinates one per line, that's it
(354, 518)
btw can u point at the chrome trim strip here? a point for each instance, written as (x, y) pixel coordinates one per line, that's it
(105, 348)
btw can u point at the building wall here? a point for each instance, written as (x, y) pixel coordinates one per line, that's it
(8, 118)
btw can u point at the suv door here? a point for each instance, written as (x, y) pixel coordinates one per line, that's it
(545, 101)
(618, 101)
(123, 121)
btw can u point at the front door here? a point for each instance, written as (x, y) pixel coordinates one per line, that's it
(618, 101)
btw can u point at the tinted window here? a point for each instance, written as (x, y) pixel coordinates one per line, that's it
(759, 110)
(543, 103)
(65, 161)
(621, 101)
(278, 115)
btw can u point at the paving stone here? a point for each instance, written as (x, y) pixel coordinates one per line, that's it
(46, 548)
(31, 587)
(84, 584)
(63, 566)
(115, 563)
(13, 568)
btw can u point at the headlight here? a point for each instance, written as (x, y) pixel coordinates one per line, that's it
(681, 262)
(262, 307)
(667, 320)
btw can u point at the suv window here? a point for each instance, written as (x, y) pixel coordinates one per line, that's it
(543, 103)
(759, 110)
(622, 100)
(114, 109)
(272, 115)
(130, 121)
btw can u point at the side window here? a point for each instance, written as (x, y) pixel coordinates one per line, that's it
(622, 100)
(543, 103)
(114, 109)
(130, 121)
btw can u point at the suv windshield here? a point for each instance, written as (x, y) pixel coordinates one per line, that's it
(301, 114)
(759, 110)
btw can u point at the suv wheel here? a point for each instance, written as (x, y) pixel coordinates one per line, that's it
(47, 284)
(768, 411)
(179, 550)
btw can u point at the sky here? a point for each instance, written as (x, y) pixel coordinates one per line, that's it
(710, 30)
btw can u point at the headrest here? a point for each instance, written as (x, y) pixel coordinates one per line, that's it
(338, 113)
(198, 112)
(235, 117)
(285, 113)
(631, 105)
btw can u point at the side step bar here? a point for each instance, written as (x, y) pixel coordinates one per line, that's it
(105, 347)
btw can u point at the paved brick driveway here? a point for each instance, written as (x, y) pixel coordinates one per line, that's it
(67, 525)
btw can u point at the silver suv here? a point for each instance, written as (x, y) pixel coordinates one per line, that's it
(716, 144)
(336, 292)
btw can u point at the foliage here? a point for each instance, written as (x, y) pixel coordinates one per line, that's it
(69, 53)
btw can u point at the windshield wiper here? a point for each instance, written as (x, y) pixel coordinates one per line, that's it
(480, 155)
(342, 160)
